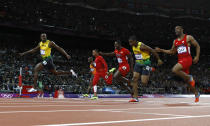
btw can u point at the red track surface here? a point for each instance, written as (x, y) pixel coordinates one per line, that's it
(105, 112)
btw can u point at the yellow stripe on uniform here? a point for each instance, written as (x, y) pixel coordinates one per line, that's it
(45, 50)
(139, 54)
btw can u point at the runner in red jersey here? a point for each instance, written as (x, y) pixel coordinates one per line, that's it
(122, 55)
(181, 46)
(101, 72)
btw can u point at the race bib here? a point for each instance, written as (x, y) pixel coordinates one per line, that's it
(119, 60)
(138, 56)
(42, 52)
(181, 49)
(91, 69)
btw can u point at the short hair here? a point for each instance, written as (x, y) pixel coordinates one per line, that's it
(96, 50)
(133, 37)
(119, 42)
(43, 34)
(180, 26)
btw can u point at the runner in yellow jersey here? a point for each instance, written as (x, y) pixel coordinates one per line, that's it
(92, 72)
(45, 47)
(142, 66)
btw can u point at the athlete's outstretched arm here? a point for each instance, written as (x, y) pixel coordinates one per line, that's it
(149, 49)
(107, 54)
(171, 51)
(197, 46)
(61, 50)
(30, 51)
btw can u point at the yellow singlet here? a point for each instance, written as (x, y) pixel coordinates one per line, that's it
(93, 69)
(139, 54)
(45, 50)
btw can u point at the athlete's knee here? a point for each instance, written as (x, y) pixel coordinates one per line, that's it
(116, 77)
(144, 83)
(135, 79)
(174, 70)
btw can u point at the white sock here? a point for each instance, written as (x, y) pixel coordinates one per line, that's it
(95, 89)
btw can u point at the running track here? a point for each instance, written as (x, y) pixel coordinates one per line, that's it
(104, 112)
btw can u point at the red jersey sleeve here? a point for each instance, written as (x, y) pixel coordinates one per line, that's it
(127, 52)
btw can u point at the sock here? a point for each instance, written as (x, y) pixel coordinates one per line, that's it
(94, 88)
(191, 78)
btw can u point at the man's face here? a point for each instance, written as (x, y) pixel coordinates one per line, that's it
(132, 42)
(117, 45)
(43, 37)
(178, 30)
(94, 53)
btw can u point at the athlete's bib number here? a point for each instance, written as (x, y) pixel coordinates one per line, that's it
(42, 52)
(138, 56)
(91, 69)
(181, 49)
(119, 60)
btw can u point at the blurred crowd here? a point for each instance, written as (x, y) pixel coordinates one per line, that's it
(44, 15)
(162, 80)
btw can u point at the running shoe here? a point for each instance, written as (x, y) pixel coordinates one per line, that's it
(73, 73)
(192, 81)
(32, 90)
(112, 70)
(134, 100)
(94, 98)
(152, 69)
(197, 98)
(85, 95)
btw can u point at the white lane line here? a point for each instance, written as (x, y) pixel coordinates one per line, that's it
(153, 108)
(154, 114)
(7, 112)
(29, 106)
(101, 110)
(162, 114)
(127, 121)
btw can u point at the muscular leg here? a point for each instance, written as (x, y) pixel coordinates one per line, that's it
(55, 72)
(120, 78)
(37, 68)
(134, 83)
(89, 87)
(178, 70)
(144, 79)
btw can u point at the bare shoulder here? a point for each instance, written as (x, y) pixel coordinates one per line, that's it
(51, 44)
(190, 38)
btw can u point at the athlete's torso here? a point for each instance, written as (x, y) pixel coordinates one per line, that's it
(183, 50)
(140, 54)
(122, 56)
(99, 64)
(45, 50)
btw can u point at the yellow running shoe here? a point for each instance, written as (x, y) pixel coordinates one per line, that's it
(112, 70)
(94, 98)
(85, 95)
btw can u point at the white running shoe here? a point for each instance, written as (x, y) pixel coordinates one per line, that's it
(73, 73)
(32, 90)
